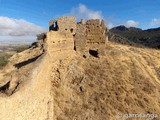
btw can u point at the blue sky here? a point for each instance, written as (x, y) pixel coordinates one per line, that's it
(36, 13)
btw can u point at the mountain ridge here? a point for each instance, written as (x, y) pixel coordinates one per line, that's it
(147, 38)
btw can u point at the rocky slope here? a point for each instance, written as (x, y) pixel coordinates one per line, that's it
(43, 84)
(136, 36)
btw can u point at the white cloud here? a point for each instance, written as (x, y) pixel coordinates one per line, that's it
(110, 25)
(155, 22)
(131, 23)
(18, 27)
(82, 12)
(114, 22)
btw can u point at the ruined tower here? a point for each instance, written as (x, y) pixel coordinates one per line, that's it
(87, 37)
(63, 24)
(60, 38)
(90, 37)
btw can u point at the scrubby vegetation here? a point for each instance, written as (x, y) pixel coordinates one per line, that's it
(21, 48)
(41, 36)
(4, 59)
(4, 56)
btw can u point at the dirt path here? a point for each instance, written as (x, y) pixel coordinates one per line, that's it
(33, 101)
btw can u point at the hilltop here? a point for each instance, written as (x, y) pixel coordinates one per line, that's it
(74, 72)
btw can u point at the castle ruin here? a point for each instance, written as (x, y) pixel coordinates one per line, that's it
(62, 24)
(89, 37)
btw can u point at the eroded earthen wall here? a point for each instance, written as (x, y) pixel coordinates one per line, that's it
(67, 23)
(80, 37)
(88, 35)
(59, 44)
(95, 32)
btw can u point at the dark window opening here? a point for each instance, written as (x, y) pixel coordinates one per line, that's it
(4, 88)
(54, 27)
(71, 30)
(94, 53)
(74, 45)
(84, 56)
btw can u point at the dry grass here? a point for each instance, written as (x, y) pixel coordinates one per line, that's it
(126, 80)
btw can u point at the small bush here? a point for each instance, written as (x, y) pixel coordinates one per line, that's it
(41, 36)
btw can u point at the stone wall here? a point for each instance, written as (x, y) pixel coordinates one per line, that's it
(67, 23)
(95, 32)
(88, 35)
(59, 44)
(63, 24)
(59, 41)
(80, 37)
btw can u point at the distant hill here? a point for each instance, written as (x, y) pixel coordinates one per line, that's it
(147, 38)
(123, 28)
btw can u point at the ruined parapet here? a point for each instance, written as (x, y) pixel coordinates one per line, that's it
(59, 44)
(90, 36)
(95, 37)
(80, 36)
(67, 23)
(103, 25)
(60, 37)
(95, 32)
(87, 36)
(83, 21)
(63, 24)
